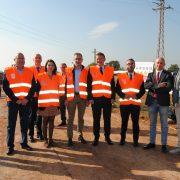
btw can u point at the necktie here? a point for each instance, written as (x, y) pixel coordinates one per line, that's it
(158, 77)
(130, 76)
(38, 69)
(101, 70)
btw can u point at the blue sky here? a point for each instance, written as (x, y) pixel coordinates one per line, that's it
(58, 28)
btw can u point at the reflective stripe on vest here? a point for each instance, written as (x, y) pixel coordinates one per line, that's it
(101, 91)
(130, 90)
(62, 85)
(21, 94)
(48, 101)
(101, 83)
(49, 92)
(20, 85)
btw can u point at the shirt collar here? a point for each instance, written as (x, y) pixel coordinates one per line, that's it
(159, 71)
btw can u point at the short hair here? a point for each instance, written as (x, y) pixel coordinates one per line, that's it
(18, 54)
(78, 54)
(161, 58)
(63, 64)
(131, 59)
(101, 54)
(55, 67)
(38, 55)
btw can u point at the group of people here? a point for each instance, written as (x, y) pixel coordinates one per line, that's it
(39, 93)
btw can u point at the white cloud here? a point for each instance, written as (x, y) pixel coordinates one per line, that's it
(103, 29)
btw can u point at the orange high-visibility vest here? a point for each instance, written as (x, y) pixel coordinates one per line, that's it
(20, 83)
(35, 73)
(62, 77)
(49, 93)
(130, 86)
(101, 83)
(82, 84)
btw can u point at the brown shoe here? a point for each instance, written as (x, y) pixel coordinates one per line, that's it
(46, 143)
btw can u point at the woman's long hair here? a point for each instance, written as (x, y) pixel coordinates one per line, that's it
(55, 67)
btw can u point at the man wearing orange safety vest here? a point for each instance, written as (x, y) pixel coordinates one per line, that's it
(101, 94)
(130, 88)
(19, 85)
(76, 94)
(34, 118)
(62, 75)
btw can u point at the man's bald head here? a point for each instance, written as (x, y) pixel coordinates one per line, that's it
(37, 60)
(19, 60)
(160, 63)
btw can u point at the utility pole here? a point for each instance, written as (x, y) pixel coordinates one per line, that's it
(95, 52)
(161, 8)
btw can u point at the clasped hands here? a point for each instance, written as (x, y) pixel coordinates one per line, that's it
(22, 102)
(128, 96)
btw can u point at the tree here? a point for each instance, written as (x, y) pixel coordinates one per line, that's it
(92, 64)
(115, 64)
(173, 67)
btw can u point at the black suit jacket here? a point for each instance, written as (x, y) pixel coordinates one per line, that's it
(163, 97)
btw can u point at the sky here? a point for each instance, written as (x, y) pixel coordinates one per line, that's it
(56, 29)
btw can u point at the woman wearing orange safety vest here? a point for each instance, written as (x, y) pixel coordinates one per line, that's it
(18, 85)
(130, 88)
(48, 99)
(34, 118)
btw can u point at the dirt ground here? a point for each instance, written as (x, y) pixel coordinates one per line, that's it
(85, 161)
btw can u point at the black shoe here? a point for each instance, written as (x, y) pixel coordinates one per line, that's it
(62, 124)
(122, 142)
(10, 152)
(27, 147)
(82, 140)
(41, 137)
(108, 140)
(149, 146)
(32, 140)
(70, 143)
(50, 144)
(164, 149)
(135, 144)
(95, 142)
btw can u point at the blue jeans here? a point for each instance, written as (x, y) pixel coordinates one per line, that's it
(153, 113)
(13, 109)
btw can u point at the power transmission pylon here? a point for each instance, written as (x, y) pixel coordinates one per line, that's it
(161, 8)
(95, 52)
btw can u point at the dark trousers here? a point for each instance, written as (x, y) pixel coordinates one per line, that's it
(63, 109)
(13, 109)
(99, 105)
(126, 111)
(48, 122)
(34, 118)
